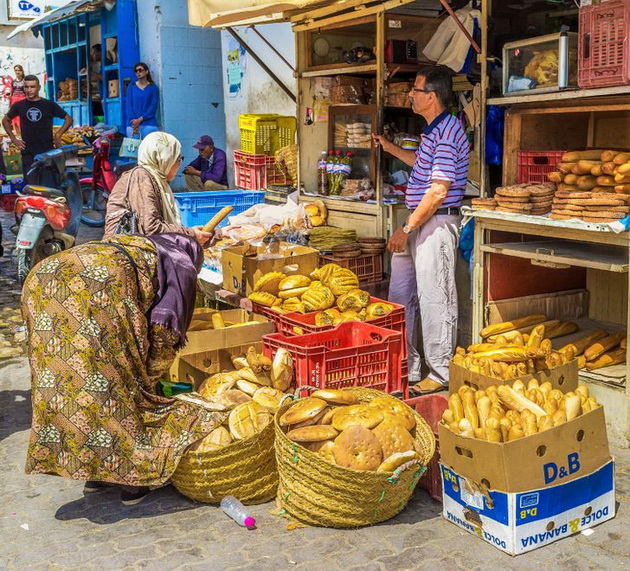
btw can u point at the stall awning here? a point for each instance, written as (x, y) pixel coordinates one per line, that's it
(68, 9)
(223, 13)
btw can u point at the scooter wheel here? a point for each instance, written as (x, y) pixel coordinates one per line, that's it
(94, 205)
(24, 263)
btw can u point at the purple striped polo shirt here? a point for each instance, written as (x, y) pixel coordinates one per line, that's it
(443, 154)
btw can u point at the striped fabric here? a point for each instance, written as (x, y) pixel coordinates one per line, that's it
(442, 155)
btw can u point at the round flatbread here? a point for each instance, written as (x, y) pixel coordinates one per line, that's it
(312, 433)
(397, 460)
(398, 409)
(311, 421)
(512, 199)
(335, 396)
(232, 398)
(269, 397)
(393, 437)
(357, 448)
(302, 410)
(326, 451)
(357, 415)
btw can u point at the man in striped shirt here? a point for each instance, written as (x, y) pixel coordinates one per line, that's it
(424, 250)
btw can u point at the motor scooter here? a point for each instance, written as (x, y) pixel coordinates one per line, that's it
(95, 189)
(48, 213)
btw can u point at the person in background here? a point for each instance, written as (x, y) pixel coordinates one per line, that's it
(36, 117)
(104, 322)
(142, 102)
(17, 92)
(145, 193)
(209, 170)
(424, 250)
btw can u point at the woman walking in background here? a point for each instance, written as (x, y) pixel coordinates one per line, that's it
(17, 93)
(142, 102)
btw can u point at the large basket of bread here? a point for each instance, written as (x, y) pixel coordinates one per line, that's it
(349, 457)
(237, 458)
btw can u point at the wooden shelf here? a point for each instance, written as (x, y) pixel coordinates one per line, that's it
(565, 95)
(561, 253)
(367, 68)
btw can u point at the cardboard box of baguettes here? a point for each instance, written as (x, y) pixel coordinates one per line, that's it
(524, 494)
(563, 377)
(243, 265)
(203, 339)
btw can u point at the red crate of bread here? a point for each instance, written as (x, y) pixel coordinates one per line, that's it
(604, 44)
(257, 172)
(367, 267)
(355, 354)
(431, 407)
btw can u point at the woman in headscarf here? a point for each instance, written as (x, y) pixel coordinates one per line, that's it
(104, 321)
(144, 191)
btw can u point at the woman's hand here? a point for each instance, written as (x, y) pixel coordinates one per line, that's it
(202, 237)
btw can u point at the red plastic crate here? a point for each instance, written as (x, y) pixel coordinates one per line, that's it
(431, 407)
(533, 166)
(355, 354)
(604, 44)
(367, 267)
(7, 201)
(256, 172)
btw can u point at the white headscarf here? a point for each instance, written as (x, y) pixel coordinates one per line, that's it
(157, 153)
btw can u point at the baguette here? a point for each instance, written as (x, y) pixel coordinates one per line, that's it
(563, 328)
(217, 219)
(509, 355)
(448, 416)
(608, 168)
(606, 180)
(621, 179)
(511, 336)
(572, 407)
(621, 158)
(545, 423)
(498, 328)
(622, 188)
(580, 344)
(535, 337)
(455, 404)
(515, 433)
(493, 430)
(570, 178)
(597, 170)
(518, 402)
(505, 424)
(555, 176)
(614, 357)
(217, 321)
(590, 155)
(624, 168)
(584, 166)
(565, 168)
(603, 345)
(470, 409)
(607, 156)
(586, 182)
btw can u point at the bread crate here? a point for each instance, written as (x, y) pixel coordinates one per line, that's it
(604, 44)
(367, 267)
(257, 172)
(197, 208)
(353, 354)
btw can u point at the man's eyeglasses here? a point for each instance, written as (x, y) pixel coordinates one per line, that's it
(139, 70)
(416, 90)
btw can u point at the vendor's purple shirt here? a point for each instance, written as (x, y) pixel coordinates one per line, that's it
(217, 172)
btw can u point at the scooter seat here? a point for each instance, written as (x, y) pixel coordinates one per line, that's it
(120, 168)
(47, 191)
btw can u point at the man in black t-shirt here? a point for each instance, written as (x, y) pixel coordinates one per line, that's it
(36, 118)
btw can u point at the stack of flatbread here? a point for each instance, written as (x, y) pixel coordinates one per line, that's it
(590, 206)
(525, 198)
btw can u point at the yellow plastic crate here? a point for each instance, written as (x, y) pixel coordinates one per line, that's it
(265, 134)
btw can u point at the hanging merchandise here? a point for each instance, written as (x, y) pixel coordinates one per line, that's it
(321, 107)
(494, 135)
(449, 45)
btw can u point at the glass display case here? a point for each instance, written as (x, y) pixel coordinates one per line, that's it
(539, 65)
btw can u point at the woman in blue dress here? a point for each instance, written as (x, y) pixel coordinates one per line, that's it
(142, 102)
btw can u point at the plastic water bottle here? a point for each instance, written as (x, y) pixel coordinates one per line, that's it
(236, 510)
(322, 174)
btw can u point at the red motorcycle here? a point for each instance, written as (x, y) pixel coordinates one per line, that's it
(96, 188)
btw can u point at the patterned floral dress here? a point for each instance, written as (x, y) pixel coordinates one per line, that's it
(95, 364)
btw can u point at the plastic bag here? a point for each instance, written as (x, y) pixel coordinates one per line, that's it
(495, 119)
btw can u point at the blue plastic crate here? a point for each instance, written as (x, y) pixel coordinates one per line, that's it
(197, 208)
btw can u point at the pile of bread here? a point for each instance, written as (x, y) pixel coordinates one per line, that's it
(316, 213)
(517, 348)
(593, 186)
(379, 435)
(252, 392)
(328, 286)
(504, 413)
(526, 198)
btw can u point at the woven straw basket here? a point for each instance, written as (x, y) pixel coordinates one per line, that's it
(245, 469)
(317, 492)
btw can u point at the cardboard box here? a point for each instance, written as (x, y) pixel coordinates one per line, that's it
(560, 454)
(195, 368)
(243, 265)
(564, 378)
(211, 339)
(521, 522)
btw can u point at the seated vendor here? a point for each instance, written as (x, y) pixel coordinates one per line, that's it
(209, 170)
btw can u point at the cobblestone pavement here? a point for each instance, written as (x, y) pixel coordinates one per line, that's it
(47, 523)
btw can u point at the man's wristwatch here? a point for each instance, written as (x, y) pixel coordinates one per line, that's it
(406, 228)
